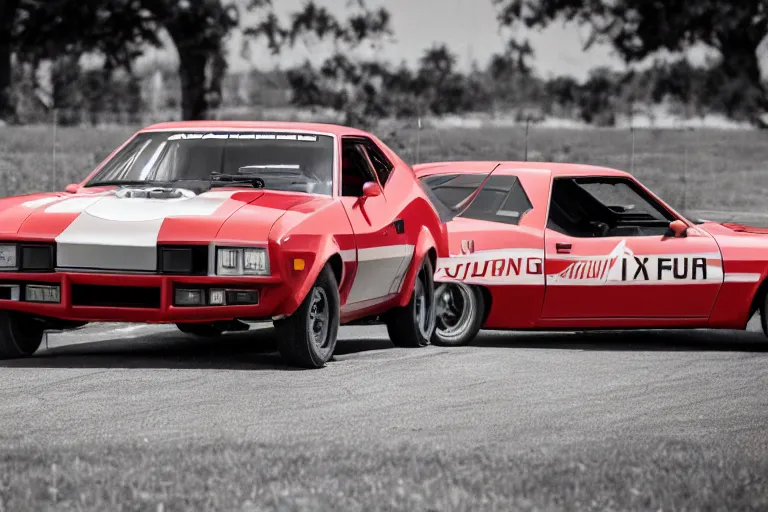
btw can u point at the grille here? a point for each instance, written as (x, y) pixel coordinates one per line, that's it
(115, 296)
(183, 260)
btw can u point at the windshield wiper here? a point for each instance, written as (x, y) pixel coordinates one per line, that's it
(230, 180)
(109, 183)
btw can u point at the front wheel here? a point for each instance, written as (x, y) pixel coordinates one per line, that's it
(764, 314)
(20, 336)
(414, 324)
(460, 312)
(308, 337)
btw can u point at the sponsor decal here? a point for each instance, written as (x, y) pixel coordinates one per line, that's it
(505, 266)
(620, 266)
(623, 266)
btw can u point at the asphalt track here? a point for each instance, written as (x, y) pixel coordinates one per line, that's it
(126, 383)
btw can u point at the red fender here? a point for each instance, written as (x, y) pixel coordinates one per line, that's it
(424, 244)
(316, 251)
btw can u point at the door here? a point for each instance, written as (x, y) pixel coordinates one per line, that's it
(380, 237)
(609, 254)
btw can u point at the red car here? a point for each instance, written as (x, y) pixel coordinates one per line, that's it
(207, 224)
(545, 246)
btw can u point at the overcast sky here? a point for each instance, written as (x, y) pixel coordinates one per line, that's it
(469, 27)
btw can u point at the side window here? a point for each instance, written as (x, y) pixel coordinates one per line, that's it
(604, 206)
(355, 168)
(380, 163)
(501, 200)
(451, 189)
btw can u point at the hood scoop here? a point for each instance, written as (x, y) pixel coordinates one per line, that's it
(154, 193)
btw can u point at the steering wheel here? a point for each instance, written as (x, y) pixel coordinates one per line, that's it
(601, 228)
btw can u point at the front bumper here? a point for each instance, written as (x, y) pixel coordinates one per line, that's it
(111, 297)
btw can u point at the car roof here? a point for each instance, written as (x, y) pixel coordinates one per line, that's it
(331, 129)
(511, 167)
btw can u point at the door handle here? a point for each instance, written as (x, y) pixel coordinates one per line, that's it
(399, 226)
(562, 248)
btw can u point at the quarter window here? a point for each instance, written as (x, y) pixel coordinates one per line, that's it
(502, 199)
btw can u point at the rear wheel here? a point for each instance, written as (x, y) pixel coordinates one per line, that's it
(20, 336)
(460, 313)
(414, 324)
(308, 337)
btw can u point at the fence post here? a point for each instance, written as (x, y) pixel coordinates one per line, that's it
(685, 178)
(632, 157)
(53, 170)
(527, 126)
(418, 140)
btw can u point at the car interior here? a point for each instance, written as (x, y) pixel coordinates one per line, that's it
(358, 166)
(604, 207)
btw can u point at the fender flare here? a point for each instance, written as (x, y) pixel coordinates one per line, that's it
(327, 248)
(425, 247)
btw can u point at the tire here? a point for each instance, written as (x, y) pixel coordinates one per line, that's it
(201, 330)
(19, 336)
(460, 314)
(307, 338)
(764, 314)
(412, 326)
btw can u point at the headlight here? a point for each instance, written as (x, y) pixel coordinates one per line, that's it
(239, 261)
(8, 257)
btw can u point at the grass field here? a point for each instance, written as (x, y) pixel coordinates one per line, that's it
(665, 475)
(704, 169)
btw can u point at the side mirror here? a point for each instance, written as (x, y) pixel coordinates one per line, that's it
(371, 189)
(72, 188)
(677, 229)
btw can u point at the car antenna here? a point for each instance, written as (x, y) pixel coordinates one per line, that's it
(460, 208)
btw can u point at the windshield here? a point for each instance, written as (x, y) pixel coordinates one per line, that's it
(277, 161)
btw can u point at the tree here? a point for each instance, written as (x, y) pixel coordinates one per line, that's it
(341, 82)
(119, 31)
(637, 29)
(198, 29)
(8, 9)
(67, 29)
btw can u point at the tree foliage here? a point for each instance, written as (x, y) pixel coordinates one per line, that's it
(341, 82)
(637, 29)
(120, 30)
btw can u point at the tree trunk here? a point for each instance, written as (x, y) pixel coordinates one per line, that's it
(7, 18)
(7, 109)
(740, 63)
(194, 101)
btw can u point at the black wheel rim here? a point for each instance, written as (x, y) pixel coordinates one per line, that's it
(317, 320)
(455, 310)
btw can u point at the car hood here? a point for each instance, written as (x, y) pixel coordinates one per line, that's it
(119, 230)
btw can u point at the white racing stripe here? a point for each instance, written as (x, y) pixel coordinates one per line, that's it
(380, 272)
(113, 233)
(738, 277)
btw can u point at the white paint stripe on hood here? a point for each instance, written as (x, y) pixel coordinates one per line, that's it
(114, 233)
